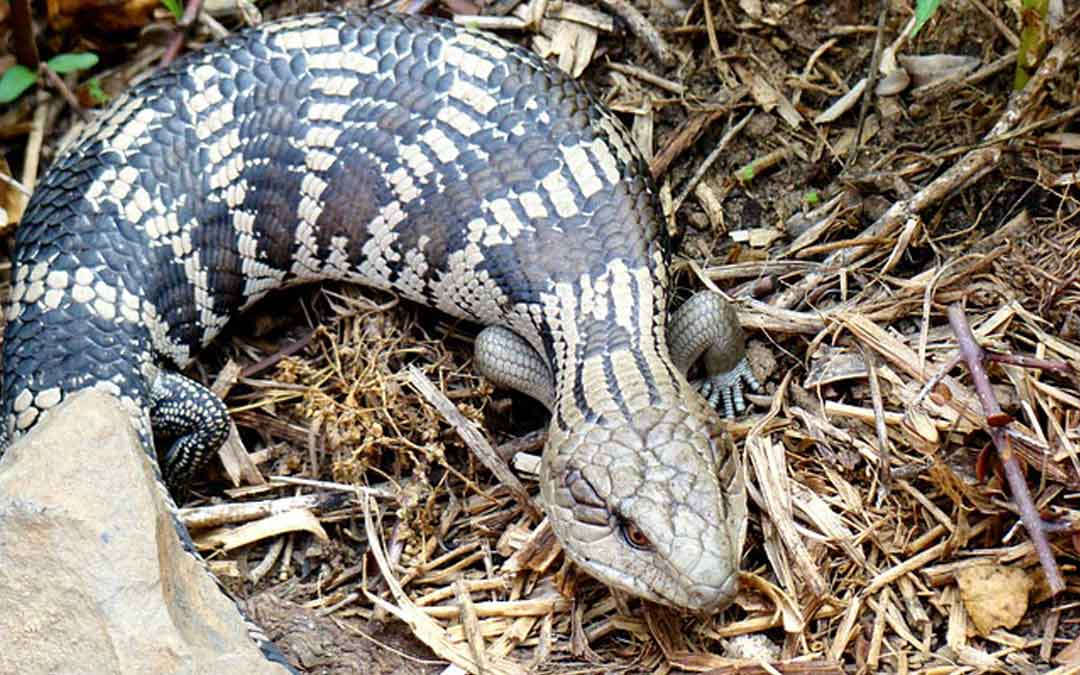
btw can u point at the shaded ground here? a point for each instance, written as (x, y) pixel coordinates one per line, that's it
(859, 539)
(328, 646)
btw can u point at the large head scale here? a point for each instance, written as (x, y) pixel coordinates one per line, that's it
(653, 504)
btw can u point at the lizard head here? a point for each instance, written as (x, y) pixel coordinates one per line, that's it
(652, 503)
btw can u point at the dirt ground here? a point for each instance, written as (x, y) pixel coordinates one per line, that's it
(883, 535)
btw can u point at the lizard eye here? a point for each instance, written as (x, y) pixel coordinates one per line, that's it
(635, 537)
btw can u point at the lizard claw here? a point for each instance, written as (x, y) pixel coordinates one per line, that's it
(728, 386)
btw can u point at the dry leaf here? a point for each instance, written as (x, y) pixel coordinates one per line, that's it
(104, 15)
(994, 595)
(12, 201)
(1069, 654)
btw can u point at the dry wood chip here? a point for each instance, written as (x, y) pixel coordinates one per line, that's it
(758, 237)
(767, 96)
(1069, 654)
(488, 628)
(471, 623)
(13, 196)
(587, 16)
(537, 553)
(505, 608)
(711, 200)
(789, 615)
(271, 526)
(238, 464)
(574, 43)
(831, 364)
(771, 471)
(831, 524)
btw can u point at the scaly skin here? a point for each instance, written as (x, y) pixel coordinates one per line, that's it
(406, 154)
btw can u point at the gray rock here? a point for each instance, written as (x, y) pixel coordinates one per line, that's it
(92, 576)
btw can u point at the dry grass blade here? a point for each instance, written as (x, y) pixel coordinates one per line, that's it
(266, 528)
(874, 483)
(473, 438)
(423, 627)
(972, 166)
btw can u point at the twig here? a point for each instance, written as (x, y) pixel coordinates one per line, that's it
(648, 76)
(885, 466)
(940, 375)
(682, 139)
(1062, 367)
(640, 26)
(58, 83)
(191, 12)
(15, 184)
(714, 43)
(381, 491)
(704, 167)
(997, 420)
(998, 24)
(203, 517)
(473, 438)
(32, 154)
(972, 166)
(871, 84)
(22, 29)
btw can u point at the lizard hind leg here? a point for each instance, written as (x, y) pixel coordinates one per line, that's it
(196, 421)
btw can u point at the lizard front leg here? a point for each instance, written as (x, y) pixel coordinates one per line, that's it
(706, 326)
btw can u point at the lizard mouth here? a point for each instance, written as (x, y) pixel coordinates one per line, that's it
(702, 599)
(709, 599)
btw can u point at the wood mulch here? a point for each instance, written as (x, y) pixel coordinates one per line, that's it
(884, 536)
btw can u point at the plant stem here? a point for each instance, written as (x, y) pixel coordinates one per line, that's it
(1029, 514)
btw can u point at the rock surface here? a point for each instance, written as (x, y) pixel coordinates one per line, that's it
(93, 578)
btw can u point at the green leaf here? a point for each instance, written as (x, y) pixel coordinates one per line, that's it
(93, 87)
(812, 198)
(174, 7)
(69, 63)
(746, 173)
(924, 9)
(15, 81)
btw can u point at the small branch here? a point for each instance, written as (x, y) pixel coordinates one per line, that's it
(871, 84)
(966, 171)
(22, 29)
(973, 355)
(884, 453)
(204, 517)
(57, 83)
(16, 184)
(32, 154)
(473, 439)
(648, 76)
(191, 12)
(704, 167)
(1061, 367)
(645, 31)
